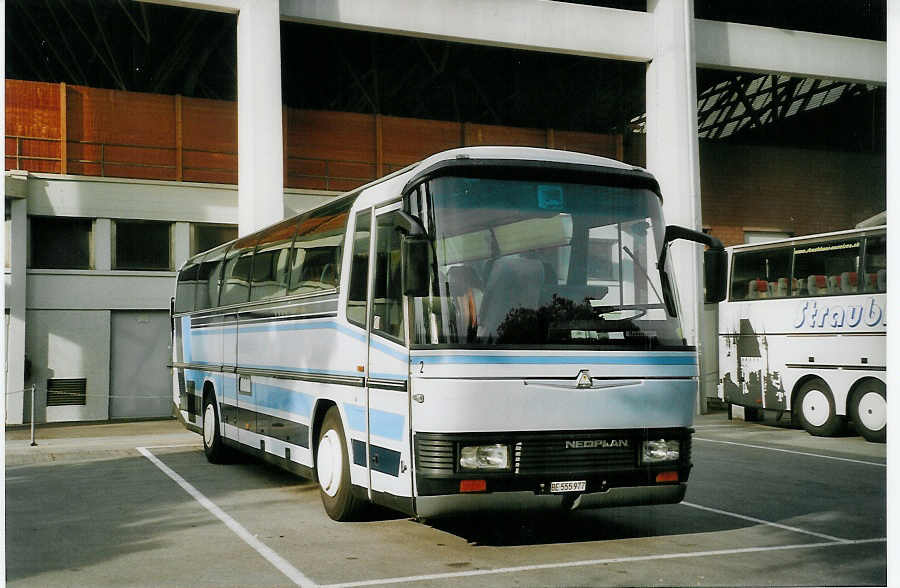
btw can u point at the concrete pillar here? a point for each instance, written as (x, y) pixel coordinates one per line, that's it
(103, 244)
(260, 151)
(673, 151)
(15, 301)
(182, 247)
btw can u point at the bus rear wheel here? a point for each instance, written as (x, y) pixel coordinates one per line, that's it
(815, 406)
(868, 409)
(333, 470)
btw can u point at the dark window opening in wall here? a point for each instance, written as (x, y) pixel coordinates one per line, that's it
(66, 391)
(204, 237)
(60, 243)
(142, 245)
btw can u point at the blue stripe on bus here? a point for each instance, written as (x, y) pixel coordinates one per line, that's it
(311, 372)
(401, 355)
(384, 424)
(307, 325)
(557, 359)
(356, 417)
(284, 399)
(186, 337)
(387, 376)
(299, 325)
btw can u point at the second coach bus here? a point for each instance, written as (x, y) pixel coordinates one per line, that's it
(492, 327)
(804, 330)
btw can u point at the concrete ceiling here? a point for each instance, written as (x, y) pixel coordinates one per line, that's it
(164, 49)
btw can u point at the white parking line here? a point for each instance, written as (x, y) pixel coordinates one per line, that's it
(712, 426)
(764, 522)
(281, 564)
(595, 562)
(871, 463)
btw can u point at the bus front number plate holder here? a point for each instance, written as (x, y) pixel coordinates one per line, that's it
(574, 486)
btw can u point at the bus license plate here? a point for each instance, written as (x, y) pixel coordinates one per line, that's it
(575, 486)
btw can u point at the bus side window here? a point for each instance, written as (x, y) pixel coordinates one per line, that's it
(187, 283)
(359, 270)
(200, 291)
(761, 274)
(827, 268)
(875, 274)
(208, 277)
(270, 262)
(236, 278)
(318, 248)
(387, 311)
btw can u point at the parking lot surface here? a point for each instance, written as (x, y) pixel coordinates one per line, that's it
(137, 504)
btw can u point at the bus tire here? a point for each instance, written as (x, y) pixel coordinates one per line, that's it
(868, 409)
(333, 470)
(815, 407)
(213, 446)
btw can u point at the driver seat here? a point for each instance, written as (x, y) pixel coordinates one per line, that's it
(514, 282)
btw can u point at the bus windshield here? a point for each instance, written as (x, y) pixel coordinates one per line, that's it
(525, 263)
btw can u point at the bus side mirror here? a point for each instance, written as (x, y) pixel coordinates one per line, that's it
(715, 267)
(715, 260)
(415, 258)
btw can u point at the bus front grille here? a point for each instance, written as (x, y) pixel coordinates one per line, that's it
(576, 454)
(546, 453)
(435, 454)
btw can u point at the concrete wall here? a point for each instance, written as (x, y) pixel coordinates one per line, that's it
(66, 330)
(69, 344)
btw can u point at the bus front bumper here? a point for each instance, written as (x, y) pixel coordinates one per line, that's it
(437, 506)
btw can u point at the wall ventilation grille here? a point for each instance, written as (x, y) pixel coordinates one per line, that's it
(66, 391)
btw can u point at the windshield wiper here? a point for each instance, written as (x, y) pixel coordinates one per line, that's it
(628, 313)
(643, 270)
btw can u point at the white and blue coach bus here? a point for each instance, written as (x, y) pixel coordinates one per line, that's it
(493, 327)
(804, 329)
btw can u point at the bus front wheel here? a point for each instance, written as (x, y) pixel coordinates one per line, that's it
(815, 405)
(213, 446)
(333, 470)
(868, 409)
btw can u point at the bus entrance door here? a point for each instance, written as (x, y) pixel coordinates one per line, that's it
(387, 386)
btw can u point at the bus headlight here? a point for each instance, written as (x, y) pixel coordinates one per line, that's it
(484, 457)
(660, 450)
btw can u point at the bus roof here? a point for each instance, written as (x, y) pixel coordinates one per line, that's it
(472, 155)
(524, 154)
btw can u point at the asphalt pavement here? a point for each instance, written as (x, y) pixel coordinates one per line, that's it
(137, 504)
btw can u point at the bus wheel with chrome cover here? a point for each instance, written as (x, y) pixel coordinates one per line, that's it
(333, 470)
(213, 447)
(815, 406)
(868, 409)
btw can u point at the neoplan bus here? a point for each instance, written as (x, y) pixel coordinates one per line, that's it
(488, 328)
(804, 329)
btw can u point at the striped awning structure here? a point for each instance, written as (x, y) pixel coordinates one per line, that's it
(749, 101)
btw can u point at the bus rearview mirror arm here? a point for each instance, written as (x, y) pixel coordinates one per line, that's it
(715, 260)
(409, 225)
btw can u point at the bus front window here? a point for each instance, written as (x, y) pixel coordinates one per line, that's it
(547, 264)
